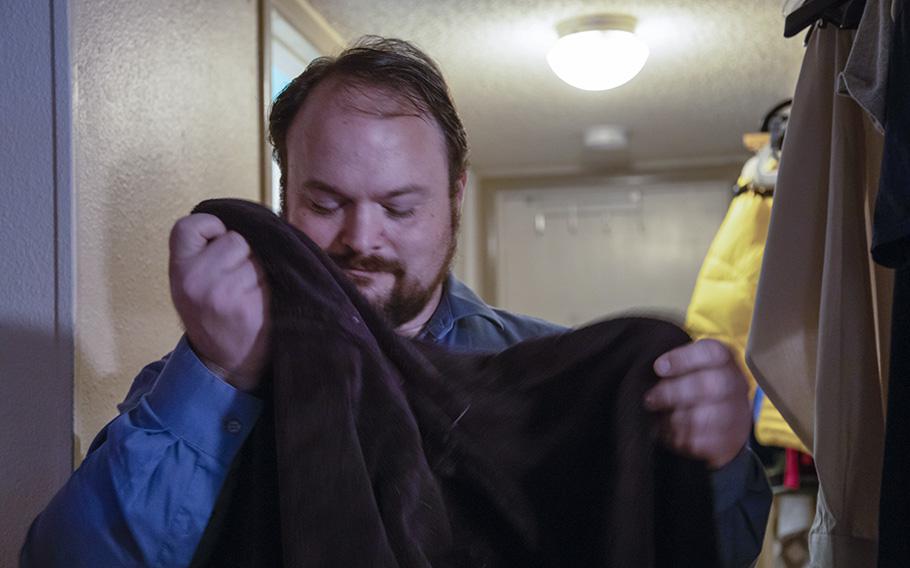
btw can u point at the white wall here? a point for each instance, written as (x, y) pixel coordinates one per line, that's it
(575, 254)
(166, 114)
(35, 271)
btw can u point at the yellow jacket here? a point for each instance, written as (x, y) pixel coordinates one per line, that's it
(724, 296)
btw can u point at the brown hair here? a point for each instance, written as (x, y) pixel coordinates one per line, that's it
(391, 64)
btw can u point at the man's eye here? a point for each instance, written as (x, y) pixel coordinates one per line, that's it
(396, 213)
(320, 209)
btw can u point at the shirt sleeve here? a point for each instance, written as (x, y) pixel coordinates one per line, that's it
(145, 491)
(742, 503)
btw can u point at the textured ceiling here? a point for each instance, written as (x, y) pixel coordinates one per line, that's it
(715, 68)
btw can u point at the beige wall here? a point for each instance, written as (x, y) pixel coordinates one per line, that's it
(166, 113)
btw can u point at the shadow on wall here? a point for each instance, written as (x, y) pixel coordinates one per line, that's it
(36, 410)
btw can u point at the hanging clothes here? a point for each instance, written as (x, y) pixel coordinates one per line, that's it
(724, 294)
(891, 247)
(891, 244)
(845, 14)
(865, 76)
(772, 430)
(815, 344)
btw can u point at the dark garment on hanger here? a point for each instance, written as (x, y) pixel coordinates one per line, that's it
(891, 228)
(845, 14)
(379, 451)
(894, 511)
(891, 247)
(865, 75)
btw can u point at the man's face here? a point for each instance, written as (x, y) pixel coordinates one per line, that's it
(368, 181)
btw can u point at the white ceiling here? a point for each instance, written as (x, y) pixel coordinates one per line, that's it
(715, 68)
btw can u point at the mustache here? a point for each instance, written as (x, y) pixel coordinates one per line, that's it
(372, 263)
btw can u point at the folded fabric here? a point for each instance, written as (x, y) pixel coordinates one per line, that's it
(380, 451)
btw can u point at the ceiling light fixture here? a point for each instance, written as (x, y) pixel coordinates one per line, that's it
(598, 52)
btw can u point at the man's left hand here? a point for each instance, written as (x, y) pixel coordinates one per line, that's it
(703, 402)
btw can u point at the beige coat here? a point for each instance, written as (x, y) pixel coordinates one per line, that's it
(815, 346)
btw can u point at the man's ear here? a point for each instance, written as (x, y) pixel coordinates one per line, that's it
(460, 185)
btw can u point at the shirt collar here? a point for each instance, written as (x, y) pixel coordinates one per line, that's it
(457, 302)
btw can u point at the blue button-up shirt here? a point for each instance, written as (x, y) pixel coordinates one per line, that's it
(145, 491)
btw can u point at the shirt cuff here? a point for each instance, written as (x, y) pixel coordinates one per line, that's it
(199, 407)
(729, 482)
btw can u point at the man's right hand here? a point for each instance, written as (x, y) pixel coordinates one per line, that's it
(221, 296)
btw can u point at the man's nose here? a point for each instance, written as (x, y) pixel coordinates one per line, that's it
(362, 231)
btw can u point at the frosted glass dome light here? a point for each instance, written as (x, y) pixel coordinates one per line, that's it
(596, 53)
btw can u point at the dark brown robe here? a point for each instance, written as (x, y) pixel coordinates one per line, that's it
(380, 451)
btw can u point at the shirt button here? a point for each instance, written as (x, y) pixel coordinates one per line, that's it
(233, 426)
(355, 319)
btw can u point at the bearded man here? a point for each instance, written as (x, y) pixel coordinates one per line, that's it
(373, 159)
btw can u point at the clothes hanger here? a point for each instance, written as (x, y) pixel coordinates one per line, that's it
(766, 122)
(753, 141)
(775, 123)
(845, 14)
(757, 176)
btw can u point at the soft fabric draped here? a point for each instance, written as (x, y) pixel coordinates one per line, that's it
(379, 451)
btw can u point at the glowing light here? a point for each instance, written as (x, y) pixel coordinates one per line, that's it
(596, 53)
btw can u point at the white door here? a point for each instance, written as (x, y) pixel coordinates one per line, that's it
(572, 255)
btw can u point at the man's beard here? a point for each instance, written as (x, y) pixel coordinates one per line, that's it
(407, 297)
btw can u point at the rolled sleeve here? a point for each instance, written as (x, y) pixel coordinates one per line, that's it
(201, 408)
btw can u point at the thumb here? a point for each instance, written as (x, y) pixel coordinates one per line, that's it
(191, 234)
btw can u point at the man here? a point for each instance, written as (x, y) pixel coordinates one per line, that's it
(373, 159)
